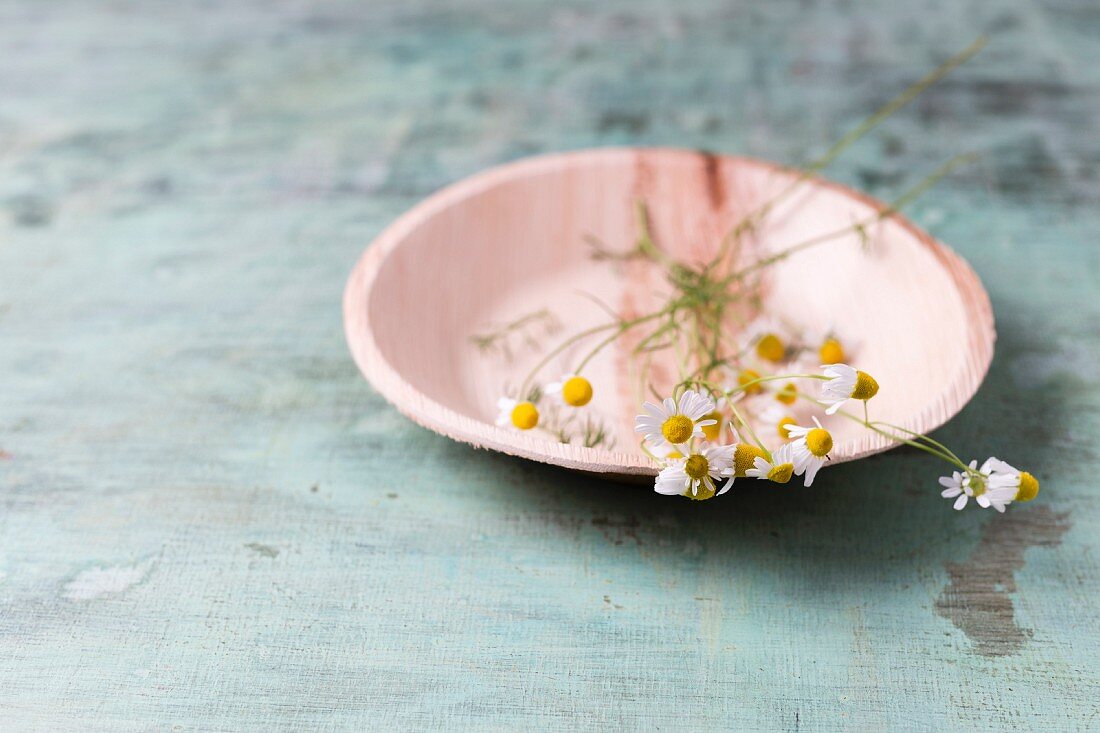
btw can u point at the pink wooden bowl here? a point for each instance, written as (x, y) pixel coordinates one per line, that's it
(513, 240)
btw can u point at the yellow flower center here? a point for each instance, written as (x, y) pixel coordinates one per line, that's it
(770, 347)
(696, 466)
(744, 456)
(711, 432)
(702, 492)
(831, 352)
(788, 394)
(678, 429)
(1029, 487)
(782, 473)
(576, 391)
(525, 416)
(866, 386)
(675, 454)
(748, 376)
(781, 427)
(819, 442)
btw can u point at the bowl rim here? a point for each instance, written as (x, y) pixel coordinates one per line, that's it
(425, 411)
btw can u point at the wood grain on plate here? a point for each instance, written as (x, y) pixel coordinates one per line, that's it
(514, 239)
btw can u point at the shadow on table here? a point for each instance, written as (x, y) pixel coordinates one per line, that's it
(875, 517)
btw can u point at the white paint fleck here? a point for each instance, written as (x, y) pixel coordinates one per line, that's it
(102, 581)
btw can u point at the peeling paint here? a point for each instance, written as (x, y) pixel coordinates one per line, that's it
(262, 549)
(616, 529)
(102, 581)
(978, 596)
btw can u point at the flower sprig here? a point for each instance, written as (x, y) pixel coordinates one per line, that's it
(742, 375)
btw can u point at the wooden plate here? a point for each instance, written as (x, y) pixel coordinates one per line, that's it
(513, 240)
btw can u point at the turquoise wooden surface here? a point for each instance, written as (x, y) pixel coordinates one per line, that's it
(208, 521)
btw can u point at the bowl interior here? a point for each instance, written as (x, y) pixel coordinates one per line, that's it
(517, 240)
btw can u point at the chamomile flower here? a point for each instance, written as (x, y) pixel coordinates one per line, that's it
(695, 475)
(713, 432)
(953, 488)
(747, 382)
(783, 426)
(771, 347)
(776, 418)
(831, 351)
(573, 390)
(743, 459)
(972, 483)
(810, 447)
(675, 423)
(1007, 484)
(845, 383)
(521, 414)
(769, 340)
(787, 394)
(830, 346)
(779, 469)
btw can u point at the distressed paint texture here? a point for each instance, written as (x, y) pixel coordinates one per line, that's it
(209, 522)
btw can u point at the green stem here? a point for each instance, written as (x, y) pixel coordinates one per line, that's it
(834, 152)
(885, 213)
(752, 432)
(773, 378)
(623, 328)
(648, 452)
(921, 436)
(560, 348)
(645, 244)
(943, 454)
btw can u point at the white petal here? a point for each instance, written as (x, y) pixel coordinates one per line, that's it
(811, 472)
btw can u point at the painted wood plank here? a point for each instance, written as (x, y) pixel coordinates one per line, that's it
(209, 522)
